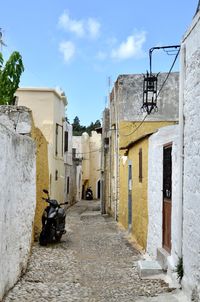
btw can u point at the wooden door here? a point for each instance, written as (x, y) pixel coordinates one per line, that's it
(167, 192)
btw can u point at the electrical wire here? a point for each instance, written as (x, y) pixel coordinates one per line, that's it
(169, 72)
(171, 52)
(157, 95)
(78, 153)
(135, 129)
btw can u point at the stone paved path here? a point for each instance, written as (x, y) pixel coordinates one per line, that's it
(93, 263)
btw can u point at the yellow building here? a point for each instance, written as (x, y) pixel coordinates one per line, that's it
(89, 149)
(42, 177)
(133, 203)
(128, 131)
(48, 110)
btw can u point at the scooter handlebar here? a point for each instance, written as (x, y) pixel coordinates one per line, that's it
(62, 204)
(46, 199)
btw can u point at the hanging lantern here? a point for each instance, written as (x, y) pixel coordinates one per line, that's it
(150, 93)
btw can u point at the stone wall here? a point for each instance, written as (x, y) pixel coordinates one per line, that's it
(17, 204)
(191, 188)
(17, 118)
(129, 94)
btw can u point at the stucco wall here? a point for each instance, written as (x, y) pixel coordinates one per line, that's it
(125, 119)
(86, 157)
(77, 167)
(17, 118)
(129, 92)
(48, 108)
(70, 178)
(191, 188)
(95, 161)
(17, 203)
(157, 141)
(123, 191)
(140, 189)
(42, 177)
(138, 227)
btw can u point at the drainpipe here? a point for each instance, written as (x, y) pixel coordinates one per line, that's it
(181, 145)
(116, 154)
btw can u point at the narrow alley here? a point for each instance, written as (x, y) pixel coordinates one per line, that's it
(93, 262)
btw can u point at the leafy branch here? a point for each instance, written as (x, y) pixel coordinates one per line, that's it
(10, 74)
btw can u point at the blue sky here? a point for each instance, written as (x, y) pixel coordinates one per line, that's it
(78, 44)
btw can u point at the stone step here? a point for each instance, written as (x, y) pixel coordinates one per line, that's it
(162, 256)
(147, 268)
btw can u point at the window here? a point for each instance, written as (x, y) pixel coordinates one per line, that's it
(68, 185)
(140, 165)
(66, 141)
(56, 175)
(59, 140)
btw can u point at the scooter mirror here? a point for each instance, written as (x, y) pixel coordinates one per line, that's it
(45, 191)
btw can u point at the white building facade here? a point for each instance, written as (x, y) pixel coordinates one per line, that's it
(189, 118)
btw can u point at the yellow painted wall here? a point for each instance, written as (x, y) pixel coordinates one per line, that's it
(139, 193)
(95, 161)
(129, 131)
(42, 177)
(123, 191)
(48, 108)
(139, 189)
(90, 148)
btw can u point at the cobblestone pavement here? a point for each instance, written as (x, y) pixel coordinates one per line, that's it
(93, 262)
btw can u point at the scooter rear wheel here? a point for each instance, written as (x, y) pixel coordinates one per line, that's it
(43, 239)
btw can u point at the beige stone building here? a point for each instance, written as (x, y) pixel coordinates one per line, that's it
(88, 149)
(48, 110)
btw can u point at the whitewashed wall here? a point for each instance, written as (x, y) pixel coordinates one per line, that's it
(78, 169)
(191, 186)
(164, 136)
(17, 118)
(17, 204)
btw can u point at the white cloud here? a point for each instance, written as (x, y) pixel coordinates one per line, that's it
(132, 47)
(71, 25)
(81, 28)
(93, 27)
(67, 48)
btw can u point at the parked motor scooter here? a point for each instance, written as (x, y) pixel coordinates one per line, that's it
(53, 221)
(89, 194)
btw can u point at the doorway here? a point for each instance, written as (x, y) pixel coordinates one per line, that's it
(167, 196)
(98, 189)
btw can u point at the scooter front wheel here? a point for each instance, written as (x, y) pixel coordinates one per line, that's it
(58, 237)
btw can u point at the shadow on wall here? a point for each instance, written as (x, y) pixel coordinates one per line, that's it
(42, 177)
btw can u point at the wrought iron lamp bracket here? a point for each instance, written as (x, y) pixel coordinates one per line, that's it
(150, 84)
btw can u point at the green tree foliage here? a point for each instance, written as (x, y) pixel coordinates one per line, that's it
(78, 129)
(10, 74)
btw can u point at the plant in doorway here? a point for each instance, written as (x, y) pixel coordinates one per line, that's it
(179, 269)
